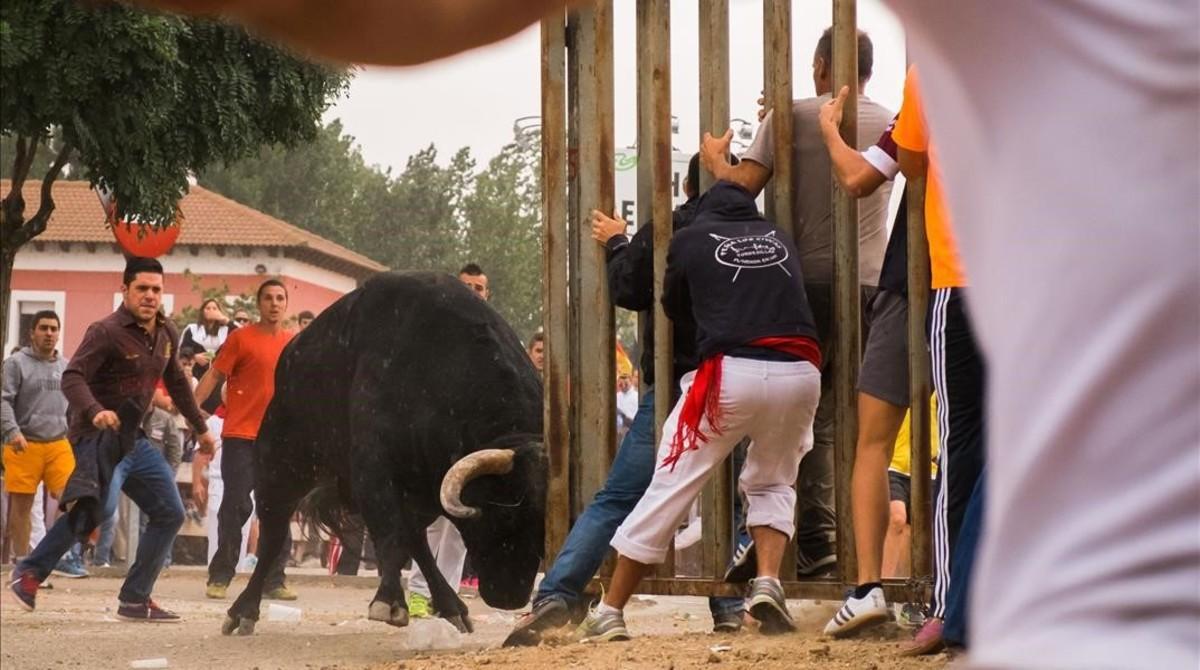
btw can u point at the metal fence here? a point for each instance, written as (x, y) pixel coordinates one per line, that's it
(577, 168)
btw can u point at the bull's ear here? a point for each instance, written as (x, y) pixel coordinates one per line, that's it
(532, 465)
(531, 454)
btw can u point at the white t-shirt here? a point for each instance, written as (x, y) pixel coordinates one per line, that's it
(627, 406)
(210, 342)
(1069, 138)
(215, 424)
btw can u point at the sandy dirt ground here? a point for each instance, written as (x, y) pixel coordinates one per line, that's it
(75, 627)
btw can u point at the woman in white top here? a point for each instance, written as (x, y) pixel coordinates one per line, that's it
(210, 331)
(204, 338)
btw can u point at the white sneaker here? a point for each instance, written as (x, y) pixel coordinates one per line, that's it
(248, 563)
(859, 613)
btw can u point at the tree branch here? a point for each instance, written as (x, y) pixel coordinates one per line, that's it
(12, 208)
(31, 147)
(36, 225)
(20, 168)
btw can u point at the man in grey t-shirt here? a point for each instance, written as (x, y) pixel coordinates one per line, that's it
(812, 209)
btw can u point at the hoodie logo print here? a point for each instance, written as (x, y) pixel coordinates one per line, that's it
(752, 252)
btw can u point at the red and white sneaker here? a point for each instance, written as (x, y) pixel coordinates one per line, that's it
(24, 588)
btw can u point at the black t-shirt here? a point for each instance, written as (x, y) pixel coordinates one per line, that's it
(893, 276)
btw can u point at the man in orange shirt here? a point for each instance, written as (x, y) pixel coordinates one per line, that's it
(958, 367)
(247, 364)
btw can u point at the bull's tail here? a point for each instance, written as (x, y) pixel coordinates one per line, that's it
(326, 511)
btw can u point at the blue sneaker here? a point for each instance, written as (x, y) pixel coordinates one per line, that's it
(70, 567)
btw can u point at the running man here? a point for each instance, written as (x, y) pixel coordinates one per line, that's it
(109, 385)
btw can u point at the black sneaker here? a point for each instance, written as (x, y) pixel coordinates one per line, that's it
(148, 611)
(24, 588)
(728, 622)
(822, 567)
(547, 614)
(744, 566)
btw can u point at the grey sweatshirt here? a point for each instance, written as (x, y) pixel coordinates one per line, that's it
(32, 402)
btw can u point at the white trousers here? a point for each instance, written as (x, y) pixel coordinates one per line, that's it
(448, 550)
(216, 491)
(772, 403)
(37, 518)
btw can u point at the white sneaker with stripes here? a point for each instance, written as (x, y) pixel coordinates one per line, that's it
(859, 613)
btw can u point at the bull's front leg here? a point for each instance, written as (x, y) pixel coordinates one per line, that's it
(388, 605)
(447, 603)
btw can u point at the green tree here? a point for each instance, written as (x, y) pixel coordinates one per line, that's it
(323, 185)
(428, 217)
(425, 203)
(504, 233)
(139, 100)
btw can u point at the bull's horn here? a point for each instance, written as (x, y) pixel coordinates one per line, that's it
(476, 464)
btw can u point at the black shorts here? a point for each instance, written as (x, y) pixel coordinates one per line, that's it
(900, 488)
(884, 372)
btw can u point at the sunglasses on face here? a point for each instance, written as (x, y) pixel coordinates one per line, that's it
(241, 320)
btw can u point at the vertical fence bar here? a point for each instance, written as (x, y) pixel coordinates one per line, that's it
(556, 421)
(717, 499)
(847, 308)
(645, 183)
(593, 389)
(777, 85)
(573, 249)
(777, 92)
(919, 388)
(654, 155)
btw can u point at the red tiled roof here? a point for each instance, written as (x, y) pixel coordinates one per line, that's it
(210, 219)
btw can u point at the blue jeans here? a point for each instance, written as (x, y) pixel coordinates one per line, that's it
(150, 483)
(955, 626)
(587, 544)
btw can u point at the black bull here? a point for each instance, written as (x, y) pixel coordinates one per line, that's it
(414, 399)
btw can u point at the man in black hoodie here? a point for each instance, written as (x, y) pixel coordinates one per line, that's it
(630, 267)
(739, 278)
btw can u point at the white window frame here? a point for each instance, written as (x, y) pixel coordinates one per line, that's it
(59, 300)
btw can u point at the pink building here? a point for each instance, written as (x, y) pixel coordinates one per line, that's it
(75, 266)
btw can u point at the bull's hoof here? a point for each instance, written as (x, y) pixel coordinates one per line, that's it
(393, 615)
(243, 625)
(462, 623)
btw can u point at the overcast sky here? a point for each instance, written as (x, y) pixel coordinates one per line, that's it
(472, 100)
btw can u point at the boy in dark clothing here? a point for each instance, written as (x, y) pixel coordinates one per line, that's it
(739, 278)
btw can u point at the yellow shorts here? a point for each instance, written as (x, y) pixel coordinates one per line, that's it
(52, 462)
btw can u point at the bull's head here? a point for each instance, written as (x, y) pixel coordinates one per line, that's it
(498, 500)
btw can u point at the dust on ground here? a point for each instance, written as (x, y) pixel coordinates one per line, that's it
(75, 627)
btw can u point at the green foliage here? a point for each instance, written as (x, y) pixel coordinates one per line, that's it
(504, 233)
(146, 98)
(44, 155)
(321, 185)
(428, 217)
